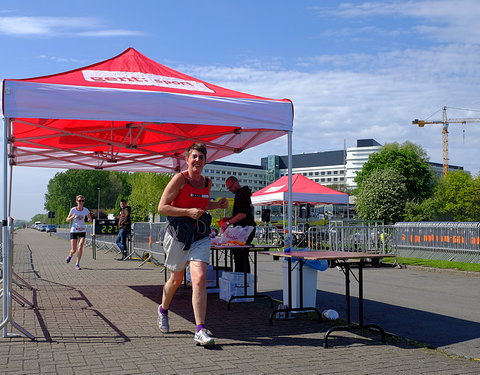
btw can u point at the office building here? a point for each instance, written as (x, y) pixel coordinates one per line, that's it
(247, 174)
(330, 168)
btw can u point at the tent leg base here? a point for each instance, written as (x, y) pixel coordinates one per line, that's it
(7, 334)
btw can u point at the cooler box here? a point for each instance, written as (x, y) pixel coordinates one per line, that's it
(309, 285)
(232, 284)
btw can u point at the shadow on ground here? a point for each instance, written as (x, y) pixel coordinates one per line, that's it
(247, 324)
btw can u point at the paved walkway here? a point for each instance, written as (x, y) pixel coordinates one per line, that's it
(102, 319)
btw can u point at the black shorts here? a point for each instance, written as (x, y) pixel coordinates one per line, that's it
(77, 235)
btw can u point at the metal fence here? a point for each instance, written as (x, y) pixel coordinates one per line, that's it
(147, 241)
(355, 238)
(454, 241)
(269, 234)
(101, 242)
(428, 240)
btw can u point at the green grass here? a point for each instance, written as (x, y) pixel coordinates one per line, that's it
(444, 264)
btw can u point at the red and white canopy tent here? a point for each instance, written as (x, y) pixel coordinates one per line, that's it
(131, 113)
(127, 113)
(304, 190)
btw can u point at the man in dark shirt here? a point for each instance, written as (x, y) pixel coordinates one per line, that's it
(242, 214)
(124, 225)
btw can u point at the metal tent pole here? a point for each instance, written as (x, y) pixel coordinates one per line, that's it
(288, 238)
(7, 248)
(10, 192)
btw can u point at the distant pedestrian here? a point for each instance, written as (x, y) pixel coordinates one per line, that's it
(78, 215)
(124, 225)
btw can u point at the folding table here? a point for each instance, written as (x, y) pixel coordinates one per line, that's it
(344, 260)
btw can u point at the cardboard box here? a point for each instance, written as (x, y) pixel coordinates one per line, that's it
(232, 284)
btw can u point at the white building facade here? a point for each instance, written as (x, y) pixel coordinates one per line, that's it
(335, 168)
(356, 157)
(253, 176)
(338, 168)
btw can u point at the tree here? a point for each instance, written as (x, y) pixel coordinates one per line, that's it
(60, 196)
(39, 217)
(458, 195)
(428, 210)
(341, 187)
(382, 196)
(118, 187)
(65, 186)
(147, 188)
(456, 198)
(410, 161)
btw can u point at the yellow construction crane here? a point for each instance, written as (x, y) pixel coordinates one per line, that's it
(445, 122)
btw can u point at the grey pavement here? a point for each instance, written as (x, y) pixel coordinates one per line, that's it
(102, 319)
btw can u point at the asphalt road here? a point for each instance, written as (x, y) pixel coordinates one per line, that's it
(435, 307)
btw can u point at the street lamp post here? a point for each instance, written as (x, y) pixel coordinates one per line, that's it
(98, 204)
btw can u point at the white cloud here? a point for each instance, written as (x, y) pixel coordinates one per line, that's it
(428, 9)
(379, 100)
(376, 95)
(55, 26)
(111, 32)
(444, 21)
(358, 31)
(60, 59)
(45, 26)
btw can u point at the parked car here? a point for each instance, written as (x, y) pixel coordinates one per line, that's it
(51, 228)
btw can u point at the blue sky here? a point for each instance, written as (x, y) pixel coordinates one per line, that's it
(353, 69)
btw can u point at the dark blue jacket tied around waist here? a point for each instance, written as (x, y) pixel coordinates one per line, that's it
(187, 230)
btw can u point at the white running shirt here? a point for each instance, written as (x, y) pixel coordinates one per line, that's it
(78, 224)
